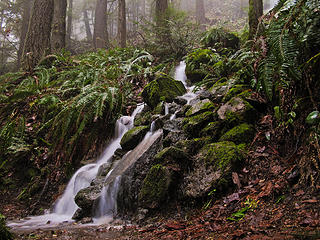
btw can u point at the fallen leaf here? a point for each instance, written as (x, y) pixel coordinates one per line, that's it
(235, 179)
(310, 201)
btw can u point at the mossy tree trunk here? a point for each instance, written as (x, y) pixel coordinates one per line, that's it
(255, 12)
(58, 38)
(37, 43)
(87, 24)
(122, 26)
(100, 34)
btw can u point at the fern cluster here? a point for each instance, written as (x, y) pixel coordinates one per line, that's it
(65, 112)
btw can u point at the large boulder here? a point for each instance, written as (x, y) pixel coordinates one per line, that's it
(133, 137)
(138, 164)
(163, 88)
(155, 187)
(213, 169)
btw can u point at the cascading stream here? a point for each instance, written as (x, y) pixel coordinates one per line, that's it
(66, 207)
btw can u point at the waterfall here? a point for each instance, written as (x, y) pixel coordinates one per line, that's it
(65, 207)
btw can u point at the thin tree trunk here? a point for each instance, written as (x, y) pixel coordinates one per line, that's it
(100, 34)
(58, 38)
(200, 12)
(143, 8)
(87, 25)
(69, 22)
(27, 6)
(122, 30)
(255, 12)
(37, 43)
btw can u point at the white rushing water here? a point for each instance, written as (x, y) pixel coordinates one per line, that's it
(65, 207)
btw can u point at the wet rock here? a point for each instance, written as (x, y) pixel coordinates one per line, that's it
(173, 156)
(173, 137)
(163, 88)
(180, 100)
(174, 125)
(204, 94)
(212, 130)
(132, 138)
(104, 169)
(86, 198)
(133, 177)
(192, 146)
(242, 133)
(200, 107)
(144, 117)
(212, 170)
(192, 126)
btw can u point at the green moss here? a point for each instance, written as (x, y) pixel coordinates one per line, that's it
(192, 126)
(172, 156)
(234, 91)
(221, 156)
(242, 133)
(143, 119)
(192, 146)
(155, 187)
(133, 137)
(197, 64)
(212, 130)
(4, 232)
(200, 107)
(163, 88)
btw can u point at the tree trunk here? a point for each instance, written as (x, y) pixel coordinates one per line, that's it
(161, 8)
(37, 43)
(255, 12)
(200, 12)
(27, 6)
(69, 22)
(143, 8)
(87, 25)
(122, 30)
(100, 34)
(58, 38)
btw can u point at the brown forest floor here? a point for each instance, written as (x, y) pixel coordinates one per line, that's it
(266, 203)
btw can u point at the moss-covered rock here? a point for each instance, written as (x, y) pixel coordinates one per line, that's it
(212, 169)
(219, 38)
(192, 146)
(163, 88)
(192, 126)
(4, 232)
(196, 64)
(242, 133)
(155, 187)
(237, 111)
(133, 137)
(172, 156)
(212, 130)
(234, 91)
(200, 107)
(220, 89)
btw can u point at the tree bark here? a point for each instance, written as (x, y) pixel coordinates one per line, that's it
(122, 29)
(100, 34)
(161, 8)
(69, 22)
(200, 12)
(87, 25)
(58, 37)
(37, 43)
(255, 12)
(27, 6)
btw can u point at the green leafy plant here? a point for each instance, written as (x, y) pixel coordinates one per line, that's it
(249, 205)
